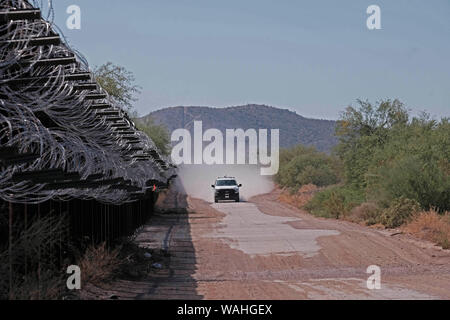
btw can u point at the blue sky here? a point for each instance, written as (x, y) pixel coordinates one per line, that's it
(314, 57)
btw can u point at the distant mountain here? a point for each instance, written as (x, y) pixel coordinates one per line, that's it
(294, 129)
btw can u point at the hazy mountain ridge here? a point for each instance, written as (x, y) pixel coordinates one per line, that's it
(294, 129)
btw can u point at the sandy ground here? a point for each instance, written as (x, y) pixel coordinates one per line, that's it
(263, 249)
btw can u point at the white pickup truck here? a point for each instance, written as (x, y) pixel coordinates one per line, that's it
(226, 188)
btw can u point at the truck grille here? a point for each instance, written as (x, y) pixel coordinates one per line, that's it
(224, 193)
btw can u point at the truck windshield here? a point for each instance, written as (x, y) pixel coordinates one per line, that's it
(221, 183)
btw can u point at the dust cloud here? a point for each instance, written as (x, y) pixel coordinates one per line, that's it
(196, 180)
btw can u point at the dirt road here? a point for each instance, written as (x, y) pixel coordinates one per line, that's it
(263, 249)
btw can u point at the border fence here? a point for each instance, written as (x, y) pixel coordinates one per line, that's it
(67, 150)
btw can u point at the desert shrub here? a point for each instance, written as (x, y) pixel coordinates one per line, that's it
(414, 163)
(414, 178)
(431, 226)
(335, 201)
(305, 165)
(397, 162)
(320, 175)
(364, 129)
(299, 198)
(335, 204)
(399, 212)
(390, 156)
(367, 212)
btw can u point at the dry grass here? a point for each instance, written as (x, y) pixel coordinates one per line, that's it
(431, 226)
(49, 287)
(301, 197)
(35, 272)
(99, 264)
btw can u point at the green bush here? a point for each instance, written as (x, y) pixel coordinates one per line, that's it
(157, 132)
(389, 155)
(364, 129)
(387, 158)
(335, 202)
(399, 212)
(414, 164)
(335, 205)
(304, 165)
(413, 178)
